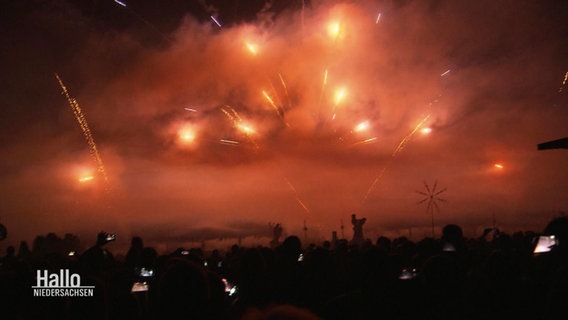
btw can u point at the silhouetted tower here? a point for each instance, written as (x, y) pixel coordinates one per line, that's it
(342, 232)
(305, 233)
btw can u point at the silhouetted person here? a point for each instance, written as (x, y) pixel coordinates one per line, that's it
(10, 259)
(183, 291)
(97, 258)
(358, 237)
(555, 265)
(452, 238)
(280, 312)
(276, 234)
(134, 253)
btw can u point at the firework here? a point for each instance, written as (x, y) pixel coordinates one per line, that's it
(269, 99)
(300, 202)
(362, 126)
(333, 30)
(340, 95)
(366, 141)
(405, 140)
(285, 89)
(216, 21)
(120, 3)
(398, 149)
(86, 178)
(187, 134)
(239, 124)
(323, 84)
(228, 142)
(563, 82)
(85, 128)
(252, 48)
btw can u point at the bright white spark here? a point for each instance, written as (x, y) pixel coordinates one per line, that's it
(120, 3)
(214, 20)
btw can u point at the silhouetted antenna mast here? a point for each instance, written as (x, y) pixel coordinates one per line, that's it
(342, 232)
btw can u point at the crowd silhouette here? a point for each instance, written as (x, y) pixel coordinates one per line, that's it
(494, 276)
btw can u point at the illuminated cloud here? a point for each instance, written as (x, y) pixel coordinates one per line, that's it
(207, 124)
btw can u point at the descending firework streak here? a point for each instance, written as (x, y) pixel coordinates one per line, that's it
(300, 202)
(563, 82)
(395, 153)
(85, 128)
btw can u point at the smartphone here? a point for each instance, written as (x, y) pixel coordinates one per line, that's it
(110, 237)
(144, 272)
(448, 247)
(139, 287)
(407, 274)
(545, 244)
(230, 289)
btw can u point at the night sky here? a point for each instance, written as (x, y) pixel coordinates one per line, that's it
(213, 119)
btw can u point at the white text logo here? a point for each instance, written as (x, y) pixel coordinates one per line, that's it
(62, 284)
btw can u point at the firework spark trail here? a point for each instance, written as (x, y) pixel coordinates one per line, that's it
(271, 102)
(395, 153)
(278, 110)
(85, 128)
(146, 22)
(238, 123)
(374, 183)
(297, 196)
(563, 82)
(216, 22)
(404, 141)
(323, 85)
(285, 90)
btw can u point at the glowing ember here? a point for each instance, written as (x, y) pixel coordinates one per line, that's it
(86, 178)
(252, 48)
(362, 126)
(333, 30)
(340, 95)
(245, 128)
(186, 134)
(498, 166)
(426, 130)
